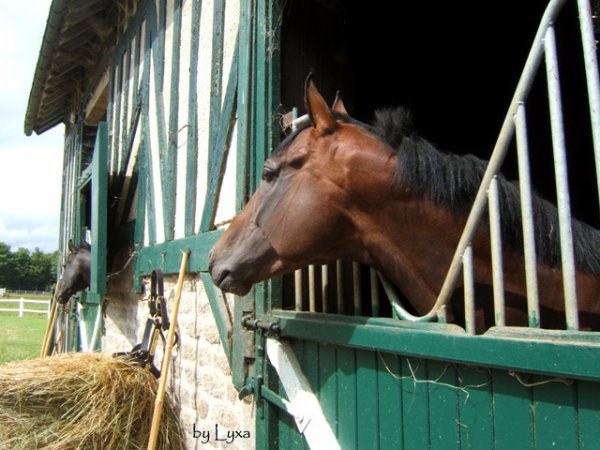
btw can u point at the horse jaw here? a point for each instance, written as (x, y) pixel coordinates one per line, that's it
(235, 268)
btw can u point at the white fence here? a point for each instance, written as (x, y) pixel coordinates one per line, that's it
(20, 309)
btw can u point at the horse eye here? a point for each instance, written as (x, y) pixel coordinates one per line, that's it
(269, 174)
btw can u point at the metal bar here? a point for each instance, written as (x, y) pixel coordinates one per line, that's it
(496, 244)
(356, 294)
(339, 284)
(297, 273)
(298, 289)
(533, 303)
(312, 303)
(325, 287)
(500, 149)
(375, 309)
(591, 71)
(97, 328)
(562, 183)
(469, 283)
(83, 333)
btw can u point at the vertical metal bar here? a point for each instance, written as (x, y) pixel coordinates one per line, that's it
(562, 183)
(467, 260)
(356, 294)
(504, 138)
(312, 304)
(297, 273)
(339, 282)
(325, 287)
(591, 71)
(496, 243)
(298, 289)
(375, 310)
(533, 303)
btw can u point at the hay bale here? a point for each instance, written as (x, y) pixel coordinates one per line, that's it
(81, 401)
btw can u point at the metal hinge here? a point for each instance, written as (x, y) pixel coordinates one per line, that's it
(270, 328)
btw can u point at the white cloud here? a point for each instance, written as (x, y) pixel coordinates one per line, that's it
(29, 234)
(30, 167)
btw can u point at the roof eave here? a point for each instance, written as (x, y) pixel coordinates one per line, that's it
(51, 34)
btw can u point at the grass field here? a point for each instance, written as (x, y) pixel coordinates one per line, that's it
(21, 338)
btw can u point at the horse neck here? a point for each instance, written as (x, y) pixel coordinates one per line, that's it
(84, 266)
(412, 241)
(406, 237)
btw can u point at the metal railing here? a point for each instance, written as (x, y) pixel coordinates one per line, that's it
(543, 48)
(514, 128)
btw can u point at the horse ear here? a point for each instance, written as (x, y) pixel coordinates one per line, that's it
(72, 247)
(318, 111)
(338, 105)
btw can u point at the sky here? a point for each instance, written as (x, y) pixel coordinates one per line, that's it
(30, 167)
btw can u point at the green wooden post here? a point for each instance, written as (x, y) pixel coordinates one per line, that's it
(99, 208)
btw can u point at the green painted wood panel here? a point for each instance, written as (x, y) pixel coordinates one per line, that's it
(386, 401)
(389, 397)
(475, 408)
(99, 216)
(328, 386)
(415, 404)
(513, 422)
(443, 406)
(445, 343)
(368, 410)
(348, 410)
(588, 407)
(116, 130)
(192, 131)
(126, 85)
(554, 414)
(244, 104)
(222, 128)
(219, 312)
(167, 255)
(173, 125)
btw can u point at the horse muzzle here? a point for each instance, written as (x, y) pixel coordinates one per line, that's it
(241, 258)
(224, 279)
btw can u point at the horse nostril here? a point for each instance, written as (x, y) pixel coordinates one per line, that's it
(219, 277)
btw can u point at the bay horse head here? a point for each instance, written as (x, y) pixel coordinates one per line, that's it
(303, 210)
(383, 196)
(76, 272)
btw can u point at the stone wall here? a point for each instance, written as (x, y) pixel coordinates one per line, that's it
(200, 377)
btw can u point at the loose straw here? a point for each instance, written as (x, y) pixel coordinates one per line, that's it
(164, 371)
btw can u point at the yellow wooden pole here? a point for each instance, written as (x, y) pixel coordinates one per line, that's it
(164, 370)
(50, 325)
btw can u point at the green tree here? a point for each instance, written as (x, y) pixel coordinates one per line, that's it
(21, 278)
(27, 270)
(41, 270)
(6, 265)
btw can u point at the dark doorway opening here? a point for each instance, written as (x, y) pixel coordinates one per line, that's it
(455, 65)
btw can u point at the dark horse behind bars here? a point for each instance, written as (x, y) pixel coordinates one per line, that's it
(382, 196)
(76, 272)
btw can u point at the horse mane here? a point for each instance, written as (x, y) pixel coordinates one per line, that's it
(452, 180)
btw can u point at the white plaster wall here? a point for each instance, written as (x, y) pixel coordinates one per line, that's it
(200, 378)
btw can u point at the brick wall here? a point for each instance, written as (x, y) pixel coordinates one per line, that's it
(200, 378)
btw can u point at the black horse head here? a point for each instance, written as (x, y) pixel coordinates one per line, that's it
(76, 272)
